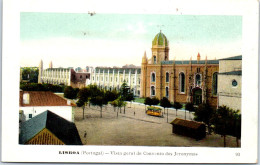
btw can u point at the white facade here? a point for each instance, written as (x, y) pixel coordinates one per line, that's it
(230, 95)
(113, 78)
(230, 82)
(67, 112)
(56, 76)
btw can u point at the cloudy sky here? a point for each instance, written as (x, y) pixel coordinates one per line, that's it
(71, 40)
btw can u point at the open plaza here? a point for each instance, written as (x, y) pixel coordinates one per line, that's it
(136, 128)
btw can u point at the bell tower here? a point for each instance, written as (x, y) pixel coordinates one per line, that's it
(40, 72)
(143, 76)
(160, 48)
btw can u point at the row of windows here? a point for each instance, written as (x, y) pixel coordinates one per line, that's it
(56, 75)
(111, 79)
(182, 82)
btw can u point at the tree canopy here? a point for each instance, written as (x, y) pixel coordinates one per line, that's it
(177, 106)
(70, 93)
(227, 122)
(164, 102)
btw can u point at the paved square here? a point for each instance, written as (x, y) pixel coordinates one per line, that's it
(135, 128)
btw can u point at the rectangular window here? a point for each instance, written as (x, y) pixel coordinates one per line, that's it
(30, 116)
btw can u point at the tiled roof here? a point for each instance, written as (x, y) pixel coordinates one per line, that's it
(233, 58)
(232, 73)
(192, 62)
(43, 98)
(63, 129)
(186, 123)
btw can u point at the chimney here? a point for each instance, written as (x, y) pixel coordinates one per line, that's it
(198, 58)
(26, 98)
(68, 102)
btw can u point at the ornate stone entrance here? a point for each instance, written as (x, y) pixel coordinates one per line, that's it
(197, 96)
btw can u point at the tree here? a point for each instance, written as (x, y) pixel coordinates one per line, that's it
(118, 103)
(237, 126)
(41, 87)
(114, 104)
(83, 96)
(111, 95)
(189, 107)
(227, 122)
(70, 92)
(30, 74)
(148, 101)
(177, 106)
(155, 101)
(204, 113)
(99, 100)
(165, 103)
(125, 93)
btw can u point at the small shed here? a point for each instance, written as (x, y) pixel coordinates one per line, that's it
(189, 128)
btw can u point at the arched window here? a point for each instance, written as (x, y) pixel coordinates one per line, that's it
(152, 91)
(182, 82)
(167, 92)
(153, 77)
(215, 83)
(154, 59)
(197, 80)
(167, 77)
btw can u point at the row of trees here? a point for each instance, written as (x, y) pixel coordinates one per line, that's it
(223, 121)
(99, 97)
(41, 87)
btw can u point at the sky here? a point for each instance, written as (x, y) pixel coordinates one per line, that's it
(78, 39)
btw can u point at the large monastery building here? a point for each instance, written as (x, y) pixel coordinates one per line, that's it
(111, 78)
(180, 81)
(64, 76)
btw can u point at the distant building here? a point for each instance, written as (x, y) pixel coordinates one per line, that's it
(111, 78)
(33, 103)
(48, 128)
(230, 82)
(63, 76)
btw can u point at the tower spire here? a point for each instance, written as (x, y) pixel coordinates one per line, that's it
(198, 57)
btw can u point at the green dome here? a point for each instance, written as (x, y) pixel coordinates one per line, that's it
(160, 39)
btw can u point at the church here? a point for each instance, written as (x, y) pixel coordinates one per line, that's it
(183, 81)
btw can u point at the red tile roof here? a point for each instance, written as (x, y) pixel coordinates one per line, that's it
(43, 98)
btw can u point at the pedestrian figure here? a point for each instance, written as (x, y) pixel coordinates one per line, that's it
(85, 134)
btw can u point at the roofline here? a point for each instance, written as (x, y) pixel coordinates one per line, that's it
(230, 58)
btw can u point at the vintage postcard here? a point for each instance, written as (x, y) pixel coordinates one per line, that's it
(133, 82)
